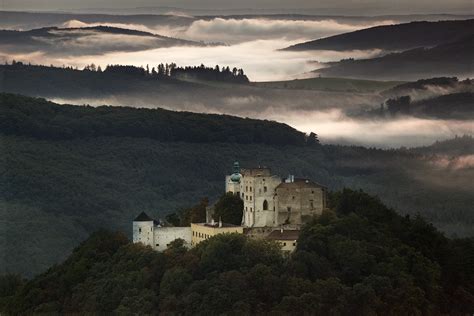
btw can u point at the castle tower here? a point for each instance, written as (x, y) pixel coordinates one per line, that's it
(143, 230)
(257, 188)
(232, 182)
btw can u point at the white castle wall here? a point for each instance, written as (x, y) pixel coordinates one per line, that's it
(143, 232)
(165, 235)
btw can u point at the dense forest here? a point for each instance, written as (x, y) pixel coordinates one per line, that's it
(207, 73)
(360, 258)
(452, 57)
(454, 106)
(93, 81)
(46, 120)
(458, 106)
(393, 37)
(61, 189)
(425, 84)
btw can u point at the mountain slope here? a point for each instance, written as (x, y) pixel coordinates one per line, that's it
(364, 254)
(453, 59)
(393, 37)
(85, 40)
(60, 189)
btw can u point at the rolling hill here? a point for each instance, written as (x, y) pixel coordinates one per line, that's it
(393, 37)
(70, 170)
(449, 59)
(85, 40)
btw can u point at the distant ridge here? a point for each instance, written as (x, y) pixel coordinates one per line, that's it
(393, 37)
(41, 119)
(452, 58)
(19, 37)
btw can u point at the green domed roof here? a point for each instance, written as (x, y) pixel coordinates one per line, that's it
(235, 177)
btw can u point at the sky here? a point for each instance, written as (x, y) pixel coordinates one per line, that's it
(325, 6)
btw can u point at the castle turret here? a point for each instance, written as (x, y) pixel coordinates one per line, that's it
(232, 182)
(143, 226)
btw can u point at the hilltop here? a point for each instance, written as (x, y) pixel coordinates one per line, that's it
(85, 40)
(453, 58)
(393, 37)
(359, 258)
(79, 169)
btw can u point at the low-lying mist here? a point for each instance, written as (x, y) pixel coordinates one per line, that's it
(238, 30)
(322, 113)
(261, 59)
(253, 44)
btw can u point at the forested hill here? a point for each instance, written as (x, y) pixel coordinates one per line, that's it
(42, 119)
(454, 58)
(95, 82)
(360, 258)
(393, 37)
(70, 170)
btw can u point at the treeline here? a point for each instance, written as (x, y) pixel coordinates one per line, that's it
(455, 105)
(158, 72)
(360, 258)
(208, 73)
(41, 119)
(443, 82)
(228, 209)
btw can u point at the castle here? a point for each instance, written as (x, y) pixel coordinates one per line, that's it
(273, 208)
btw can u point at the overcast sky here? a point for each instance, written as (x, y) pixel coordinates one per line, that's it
(326, 6)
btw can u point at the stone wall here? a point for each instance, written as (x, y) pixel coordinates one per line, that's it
(297, 204)
(165, 235)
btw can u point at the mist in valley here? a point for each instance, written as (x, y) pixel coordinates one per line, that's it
(251, 43)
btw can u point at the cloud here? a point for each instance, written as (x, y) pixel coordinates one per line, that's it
(334, 126)
(452, 163)
(260, 59)
(234, 31)
(241, 30)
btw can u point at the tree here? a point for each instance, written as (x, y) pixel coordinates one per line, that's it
(312, 139)
(173, 219)
(399, 105)
(229, 209)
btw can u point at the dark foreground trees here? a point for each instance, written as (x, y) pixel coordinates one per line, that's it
(229, 208)
(359, 259)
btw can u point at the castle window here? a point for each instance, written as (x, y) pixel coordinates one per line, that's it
(250, 198)
(151, 228)
(246, 189)
(288, 209)
(265, 205)
(242, 195)
(250, 189)
(264, 189)
(312, 192)
(251, 210)
(294, 244)
(139, 230)
(293, 197)
(246, 197)
(157, 245)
